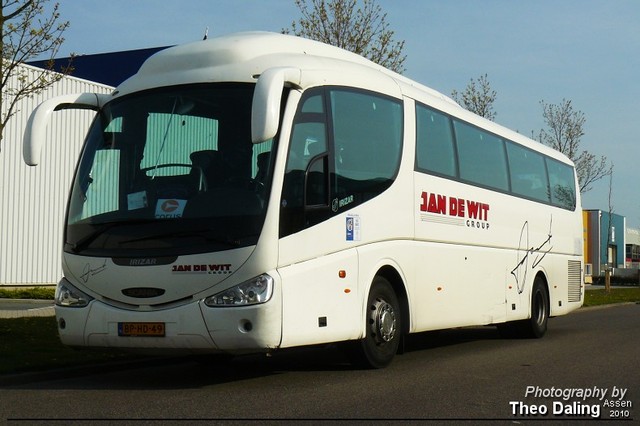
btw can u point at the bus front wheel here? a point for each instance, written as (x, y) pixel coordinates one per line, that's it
(383, 326)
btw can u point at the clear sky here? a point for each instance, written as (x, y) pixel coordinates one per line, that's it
(586, 51)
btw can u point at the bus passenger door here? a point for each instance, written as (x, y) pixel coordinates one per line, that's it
(318, 288)
(344, 150)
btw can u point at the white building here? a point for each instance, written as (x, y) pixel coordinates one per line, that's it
(33, 199)
(632, 255)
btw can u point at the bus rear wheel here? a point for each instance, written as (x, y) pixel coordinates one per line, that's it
(536, 325)
(383, 326)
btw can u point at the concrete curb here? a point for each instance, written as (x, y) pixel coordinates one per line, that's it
(21, 308)
(38, 312)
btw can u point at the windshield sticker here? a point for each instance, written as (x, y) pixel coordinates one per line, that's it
(353, 228)
(137, 200)
(170, 208)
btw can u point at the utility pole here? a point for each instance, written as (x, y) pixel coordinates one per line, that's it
(607, 271)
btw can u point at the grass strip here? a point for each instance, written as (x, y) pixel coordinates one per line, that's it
(32, 344)
(599, 296)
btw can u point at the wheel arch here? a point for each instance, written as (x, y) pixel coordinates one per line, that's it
(392, 275)
(543, 277)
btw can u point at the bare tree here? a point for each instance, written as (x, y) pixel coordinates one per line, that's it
(477, 98)
(363, 30)
(563, 133)
(27, 32)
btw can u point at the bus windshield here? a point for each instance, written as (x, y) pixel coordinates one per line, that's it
(170, 171)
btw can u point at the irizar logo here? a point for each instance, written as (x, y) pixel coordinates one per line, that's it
(337, 204)
(143, 262)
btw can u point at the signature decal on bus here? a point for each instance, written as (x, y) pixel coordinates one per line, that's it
(216, 268)
(524, 250)
(90, 271)
(473, 214)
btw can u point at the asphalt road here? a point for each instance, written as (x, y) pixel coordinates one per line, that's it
(464, 374)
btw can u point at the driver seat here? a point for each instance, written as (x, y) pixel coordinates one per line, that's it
(212, 165)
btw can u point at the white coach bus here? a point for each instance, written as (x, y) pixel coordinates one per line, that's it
(260, 191)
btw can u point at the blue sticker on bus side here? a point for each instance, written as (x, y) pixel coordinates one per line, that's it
(353, 228)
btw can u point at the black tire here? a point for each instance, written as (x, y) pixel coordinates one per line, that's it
(383, 327)
(536, 325)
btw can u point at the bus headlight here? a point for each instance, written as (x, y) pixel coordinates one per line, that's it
(252, 292)
(69, 296)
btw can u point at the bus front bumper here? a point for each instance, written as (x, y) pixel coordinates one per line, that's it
(190, 328)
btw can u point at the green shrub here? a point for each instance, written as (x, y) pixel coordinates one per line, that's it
(44, 293)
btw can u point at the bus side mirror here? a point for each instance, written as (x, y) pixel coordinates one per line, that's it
(265, 110)
(35, 131)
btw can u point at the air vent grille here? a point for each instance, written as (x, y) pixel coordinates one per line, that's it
(575, 280)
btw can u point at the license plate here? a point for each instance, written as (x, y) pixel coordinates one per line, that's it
(143, 329)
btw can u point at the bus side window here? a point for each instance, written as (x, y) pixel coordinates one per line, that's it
(481, 157)
(528, 173)
(368, 143)
(361, 156)
(561, 181)
(435, 150)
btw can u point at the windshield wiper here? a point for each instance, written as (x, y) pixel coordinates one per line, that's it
(85, 241)
(187, 234)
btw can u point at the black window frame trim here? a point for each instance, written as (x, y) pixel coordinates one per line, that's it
(505, 141)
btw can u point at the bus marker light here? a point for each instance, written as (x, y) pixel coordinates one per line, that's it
(342, 273)
(439, 288)
(347, 290)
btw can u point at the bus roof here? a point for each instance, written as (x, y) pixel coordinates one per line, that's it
(242, 57)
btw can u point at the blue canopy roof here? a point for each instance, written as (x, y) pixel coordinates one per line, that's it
(105, 68)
